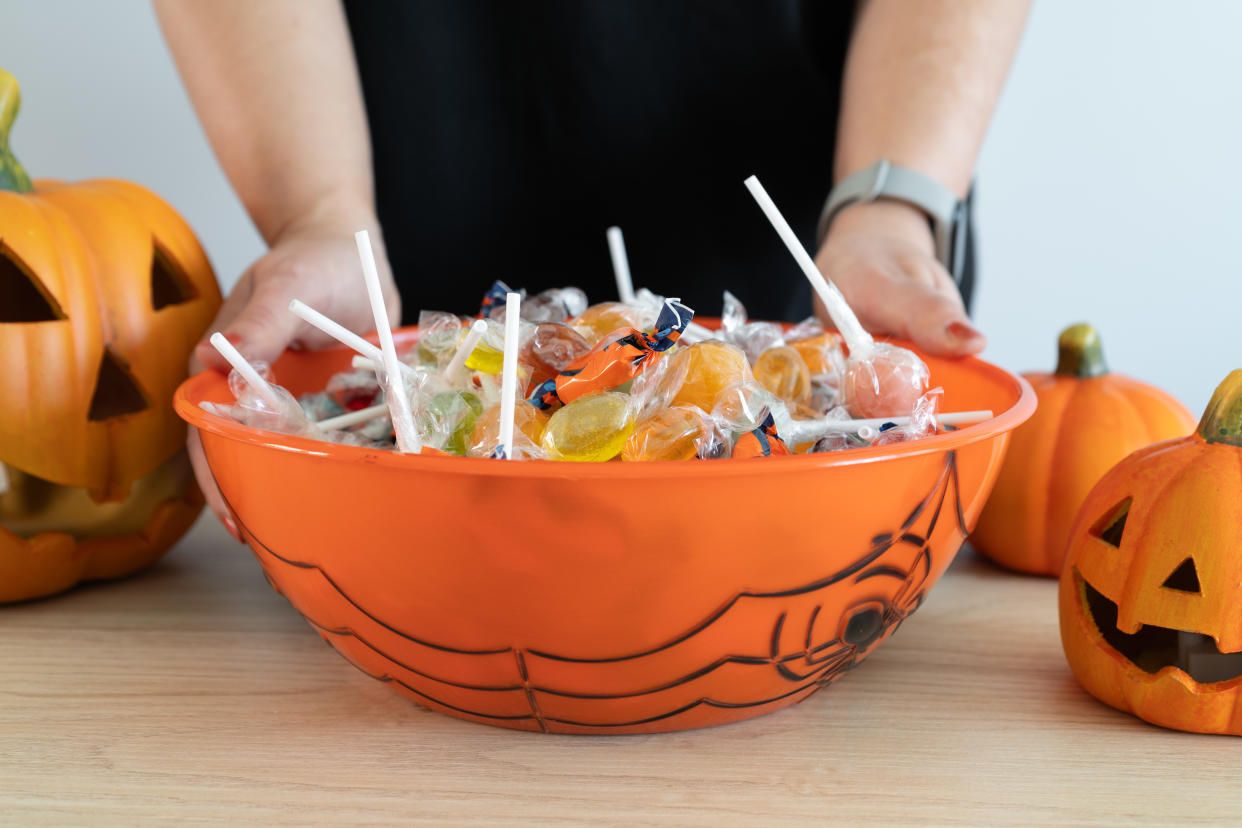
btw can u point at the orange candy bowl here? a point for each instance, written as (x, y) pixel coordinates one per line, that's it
(609, 597)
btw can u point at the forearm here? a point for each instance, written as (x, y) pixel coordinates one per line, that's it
(277, 91)
(921, 81)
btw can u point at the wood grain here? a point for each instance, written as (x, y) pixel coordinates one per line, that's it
(195, 693)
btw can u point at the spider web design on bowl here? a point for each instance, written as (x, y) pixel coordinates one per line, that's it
(805, 648)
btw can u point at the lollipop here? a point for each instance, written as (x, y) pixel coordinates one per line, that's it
(394, 383)
(880, 379)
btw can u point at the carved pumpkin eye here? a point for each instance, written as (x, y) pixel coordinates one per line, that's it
(1112, 526)
(169, 284)
(116, 392)
(22, 296)
(1185, 578)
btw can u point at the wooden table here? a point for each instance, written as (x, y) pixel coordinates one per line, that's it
(195, 692)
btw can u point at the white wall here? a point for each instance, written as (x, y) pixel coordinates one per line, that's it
(1108, 190)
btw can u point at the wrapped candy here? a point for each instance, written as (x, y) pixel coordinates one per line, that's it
(593, 428)
(552, 305)
(320, 406)
(551, 349)
(438, 333)
(612, 363)
(763, 441)
(597, 321)
(710, 368)
(353, 390)
(446, 420)
(489, 355)
(529, 424)
(679, 432)
(494, 299)
(655, 387)
(783, 372)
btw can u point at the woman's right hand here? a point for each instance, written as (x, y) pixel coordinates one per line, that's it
(318, 265)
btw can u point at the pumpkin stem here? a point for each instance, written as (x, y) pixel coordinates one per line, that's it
(12, 176)
(1222, 419)
(1079, 353)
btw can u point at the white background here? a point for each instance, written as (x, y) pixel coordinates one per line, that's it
(1108, 188)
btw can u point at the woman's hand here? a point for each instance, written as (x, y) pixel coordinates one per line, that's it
(881, 255)
(318, 265)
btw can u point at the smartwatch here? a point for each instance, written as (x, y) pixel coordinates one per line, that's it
(884, 179)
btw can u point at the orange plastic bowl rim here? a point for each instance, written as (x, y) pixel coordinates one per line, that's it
(610, 597)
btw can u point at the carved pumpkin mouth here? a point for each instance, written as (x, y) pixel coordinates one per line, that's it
(1153, 648)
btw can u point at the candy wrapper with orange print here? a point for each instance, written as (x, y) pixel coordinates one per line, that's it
(616, 360)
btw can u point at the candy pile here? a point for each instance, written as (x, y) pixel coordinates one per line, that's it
(551, 377)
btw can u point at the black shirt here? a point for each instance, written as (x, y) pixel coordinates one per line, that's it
(508, 136)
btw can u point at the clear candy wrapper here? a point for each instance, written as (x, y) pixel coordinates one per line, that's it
(553, 305)
(550, 349)
(528, 426)
(922, 421)
(438, 334)
(752, 337)
(353, 390)
(598, 321)
(679, 432)
(593, 428)
(884, 382)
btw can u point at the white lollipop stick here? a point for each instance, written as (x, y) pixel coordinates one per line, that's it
(803, 431)
(458, 362)
(361, 363)
(342, 334)
(257, 383)
(353, 418)
(620, 265)
(856, 337)
(508, 371)
(398, 403)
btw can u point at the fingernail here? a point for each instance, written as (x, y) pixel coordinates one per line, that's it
(960, 330)
(231, 525)
(234, 339)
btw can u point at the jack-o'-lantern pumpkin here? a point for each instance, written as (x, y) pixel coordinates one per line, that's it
(1087, 420)
(104, 291)
(1151, 593)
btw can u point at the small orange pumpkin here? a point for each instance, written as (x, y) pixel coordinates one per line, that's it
(104, 290)
(1087, 420)
(1151, 593)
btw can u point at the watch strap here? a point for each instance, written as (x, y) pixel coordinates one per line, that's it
(885, 179)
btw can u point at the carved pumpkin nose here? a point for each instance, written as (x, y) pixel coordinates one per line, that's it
(116, 392)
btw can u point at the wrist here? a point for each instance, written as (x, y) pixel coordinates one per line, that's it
(884, 217)
(335, 214)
